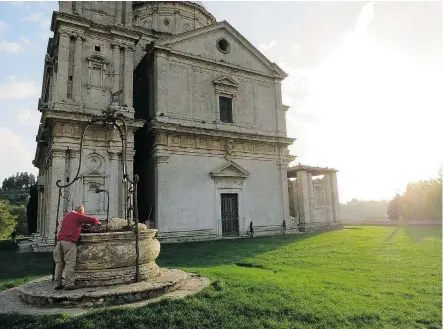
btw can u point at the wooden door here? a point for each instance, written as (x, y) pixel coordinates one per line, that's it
(229, 213)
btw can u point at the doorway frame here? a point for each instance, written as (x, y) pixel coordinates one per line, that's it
(219, 192)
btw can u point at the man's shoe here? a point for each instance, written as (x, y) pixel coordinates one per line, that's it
(59, 287)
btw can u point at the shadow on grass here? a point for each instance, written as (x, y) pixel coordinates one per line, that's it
(393, 233)
(223, 252)
(19, 268)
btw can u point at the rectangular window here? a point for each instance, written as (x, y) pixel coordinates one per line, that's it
(225, 109)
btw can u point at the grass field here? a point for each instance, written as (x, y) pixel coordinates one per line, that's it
(362, 277)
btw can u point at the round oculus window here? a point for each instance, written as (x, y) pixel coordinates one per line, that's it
(166, 22)
(223, 45)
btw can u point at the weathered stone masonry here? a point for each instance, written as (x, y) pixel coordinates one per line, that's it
(207, 127)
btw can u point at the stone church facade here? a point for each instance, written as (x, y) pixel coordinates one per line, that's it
(206, 123)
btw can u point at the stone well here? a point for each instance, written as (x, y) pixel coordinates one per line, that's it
(109, 258)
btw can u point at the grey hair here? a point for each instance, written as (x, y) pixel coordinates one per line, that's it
(78, 208)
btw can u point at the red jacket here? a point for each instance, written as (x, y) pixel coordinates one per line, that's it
(72, 226)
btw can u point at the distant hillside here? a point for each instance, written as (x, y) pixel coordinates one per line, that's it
(357, 211)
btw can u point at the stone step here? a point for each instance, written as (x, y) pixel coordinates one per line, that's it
(41, 292)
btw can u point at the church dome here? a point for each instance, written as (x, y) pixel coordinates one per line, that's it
(172, 17)
(200, 3)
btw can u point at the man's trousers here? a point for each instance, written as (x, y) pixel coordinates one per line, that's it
(65, 256)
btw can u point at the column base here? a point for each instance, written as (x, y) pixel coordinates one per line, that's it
(42, 244)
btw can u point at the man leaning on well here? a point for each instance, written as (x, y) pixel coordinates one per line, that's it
(65, 252)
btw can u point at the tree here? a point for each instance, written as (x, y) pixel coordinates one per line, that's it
(422, 200)
(21, 181)
(15, 188)
(7, 220)
(363, 210)
(394, 208)
(31, 209)
(21, 225)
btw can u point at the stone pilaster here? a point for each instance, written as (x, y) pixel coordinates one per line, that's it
(51, 86)
(176, 21)
(118, 12)
(328, 197)
(155, 18)
(311, 198)
(57, 172)
(128, 71)
(78, 7)
(116, 66)
(303, 198)
(121, 188)
(77, 75)
(65, 7)
(335, 199)
(283, 168)
(128, 13)
(74, 188)
(47, 198)
(113, 183)
(62, 68)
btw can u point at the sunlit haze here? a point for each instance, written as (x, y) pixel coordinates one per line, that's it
(365, 84)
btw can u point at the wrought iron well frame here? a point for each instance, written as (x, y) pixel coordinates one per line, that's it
(112, 120)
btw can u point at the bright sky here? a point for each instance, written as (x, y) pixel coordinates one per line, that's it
(365, 84)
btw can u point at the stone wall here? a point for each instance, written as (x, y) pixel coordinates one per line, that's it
(186, 93)
(185, 147)
(89, 57)
(189, 198)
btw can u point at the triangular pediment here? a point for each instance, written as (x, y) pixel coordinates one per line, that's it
(97, 58)
(202, 42)
(231, 169)
(224, 80)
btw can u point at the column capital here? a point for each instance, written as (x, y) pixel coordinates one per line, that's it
(58, 154)
(113, 155)
(74, 153)
(79, 37)
(65, 34)
(282, 165)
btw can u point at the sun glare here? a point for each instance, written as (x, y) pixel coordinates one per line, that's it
(378, 115)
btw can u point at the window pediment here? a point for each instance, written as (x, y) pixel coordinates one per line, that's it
(225, 80)
(97, 59)
(230, 170)
(225, 85)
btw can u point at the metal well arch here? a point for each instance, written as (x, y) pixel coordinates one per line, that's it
(111, 120)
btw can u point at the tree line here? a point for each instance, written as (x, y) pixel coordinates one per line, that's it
(18, 205)
(363, 210)
(422, 200)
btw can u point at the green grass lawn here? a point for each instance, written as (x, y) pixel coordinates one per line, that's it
(362, 277)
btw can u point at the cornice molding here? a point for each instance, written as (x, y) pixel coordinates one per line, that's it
(168, 51)
(197, 131)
